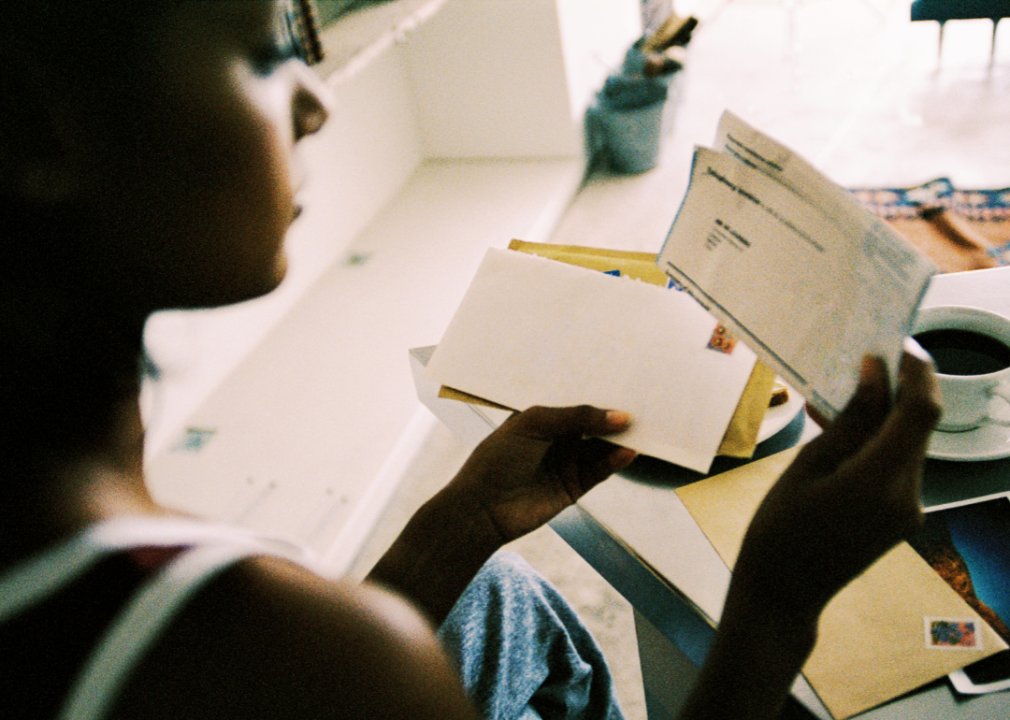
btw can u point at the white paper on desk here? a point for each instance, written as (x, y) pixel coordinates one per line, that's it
(532, 331)
(792, 265)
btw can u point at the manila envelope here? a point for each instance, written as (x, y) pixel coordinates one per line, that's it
(871, 643)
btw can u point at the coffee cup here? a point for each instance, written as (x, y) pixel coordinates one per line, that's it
(971, 350)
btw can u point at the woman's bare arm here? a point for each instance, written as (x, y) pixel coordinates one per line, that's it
(534, 466)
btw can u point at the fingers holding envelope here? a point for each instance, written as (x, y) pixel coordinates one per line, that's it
(541, 461)
(850, 495)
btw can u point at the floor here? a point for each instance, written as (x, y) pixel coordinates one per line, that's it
(850, 84)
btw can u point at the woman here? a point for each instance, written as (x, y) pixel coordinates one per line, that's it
(148, 163)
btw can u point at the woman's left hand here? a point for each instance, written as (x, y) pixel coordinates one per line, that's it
(541, 461)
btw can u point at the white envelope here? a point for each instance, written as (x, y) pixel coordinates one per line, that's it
(532, 331)
(793, 265)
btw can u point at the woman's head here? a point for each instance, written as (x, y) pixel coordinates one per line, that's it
(165, 131)
(147, 161)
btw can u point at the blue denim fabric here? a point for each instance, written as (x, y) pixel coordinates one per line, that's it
(522, 651)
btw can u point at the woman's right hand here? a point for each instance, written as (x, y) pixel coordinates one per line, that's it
(850, 496)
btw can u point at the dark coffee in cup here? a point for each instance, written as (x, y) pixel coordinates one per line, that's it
(964, 352)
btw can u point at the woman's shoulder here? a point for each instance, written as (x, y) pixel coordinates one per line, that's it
(267, 638)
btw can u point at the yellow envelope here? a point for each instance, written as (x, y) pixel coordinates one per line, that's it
(638, 265)
(871, 643)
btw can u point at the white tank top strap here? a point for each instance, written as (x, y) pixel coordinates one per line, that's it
(151, 609)
(140, 623)
(45, 573)
(127, 532)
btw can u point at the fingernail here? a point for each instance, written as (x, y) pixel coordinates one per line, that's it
(621, 458)
(867, 370)
(617, 417)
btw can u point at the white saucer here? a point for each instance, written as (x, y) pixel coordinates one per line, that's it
(776, 418)
(988, 442)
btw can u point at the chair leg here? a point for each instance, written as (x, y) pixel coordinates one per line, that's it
(939, 45)
(992, 46)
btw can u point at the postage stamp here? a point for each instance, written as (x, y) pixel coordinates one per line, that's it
(952, 634)
(721, 341)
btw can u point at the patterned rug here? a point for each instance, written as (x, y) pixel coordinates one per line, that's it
(958, 229)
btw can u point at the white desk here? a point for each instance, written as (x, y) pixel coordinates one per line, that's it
(636, 533)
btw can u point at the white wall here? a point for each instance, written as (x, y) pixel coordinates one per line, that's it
(595, 35)
(512, 78)
(489, 81)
